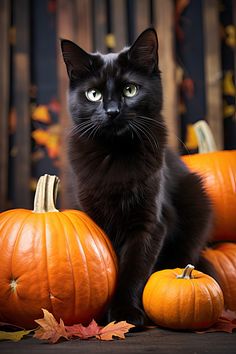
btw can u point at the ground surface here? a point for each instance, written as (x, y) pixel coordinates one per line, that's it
(152, 341)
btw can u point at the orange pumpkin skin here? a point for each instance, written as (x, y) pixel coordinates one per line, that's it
(60, 261)
(223, 257)
(218, 170)
(180, 303)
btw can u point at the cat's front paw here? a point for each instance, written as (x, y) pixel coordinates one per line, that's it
(130, 314)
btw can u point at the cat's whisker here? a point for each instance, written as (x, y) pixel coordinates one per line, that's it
(145, 118)
(86, 129)
(94, 132)
(148, 134)
(134, 130)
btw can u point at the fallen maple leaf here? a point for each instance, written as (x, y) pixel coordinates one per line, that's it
(14, 336)
(82, 332)
(50, 328)
(226, 323)
(114, 330)
(229, 315)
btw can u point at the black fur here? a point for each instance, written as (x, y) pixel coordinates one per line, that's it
(154, 210)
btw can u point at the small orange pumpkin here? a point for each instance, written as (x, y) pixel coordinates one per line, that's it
(182, 299)
(223, 257)
(60, 261)
(218, 170)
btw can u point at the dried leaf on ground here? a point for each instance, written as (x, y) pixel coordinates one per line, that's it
(82, 332)
(226, 323)
(14, 336)
(50, 329)
(114, 330)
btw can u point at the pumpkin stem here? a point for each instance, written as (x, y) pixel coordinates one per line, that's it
(46, 194)
(205, 138)
(187, 272)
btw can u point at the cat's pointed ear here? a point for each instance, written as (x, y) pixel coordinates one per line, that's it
(77, 60)
(144, 51)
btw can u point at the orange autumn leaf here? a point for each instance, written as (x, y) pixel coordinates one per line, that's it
(49, 138)
(50, 329)
(113, 329)
(41, 114)
(40, 136)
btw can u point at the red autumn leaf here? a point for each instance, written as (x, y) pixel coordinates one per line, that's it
(226, 323)
(54, 106)
(82, 332)
(113, 329)
(50, 329)
(229, 315)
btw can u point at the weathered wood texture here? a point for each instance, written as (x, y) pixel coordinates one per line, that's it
(164, 14)
(119, 24)
(151, 341)
(74, 22)
(21, 88)
(4, 100)
(213, 72)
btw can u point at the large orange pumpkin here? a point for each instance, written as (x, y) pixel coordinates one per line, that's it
(60, 261)
(223, 257)
(182, 299)
(218, 170)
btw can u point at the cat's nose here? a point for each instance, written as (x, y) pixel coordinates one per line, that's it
(112, 111)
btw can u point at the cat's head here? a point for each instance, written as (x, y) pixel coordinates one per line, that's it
(116, 95)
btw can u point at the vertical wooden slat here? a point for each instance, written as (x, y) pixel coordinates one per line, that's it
(66, 29)
(164, 15)
(84, 24)
(4, 99)
(213, 69)
(142, 15)
(21, 87)
(99, 8)
(119, 23)
(74, 22)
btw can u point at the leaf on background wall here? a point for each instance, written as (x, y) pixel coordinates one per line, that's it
(188, 87)
(49, 138)
(54, 106)
(40, 136)
(191, 138)
(12, 120)
(230, 32)
(228, 84)
(180, 6)
(41, 114)
(228, 109)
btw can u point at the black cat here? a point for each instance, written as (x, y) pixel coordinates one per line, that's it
(154, 210)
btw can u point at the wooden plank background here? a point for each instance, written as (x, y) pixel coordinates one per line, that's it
(4, 99)
(213, 71)
(21, 89)
(164, 14)
(86, 22)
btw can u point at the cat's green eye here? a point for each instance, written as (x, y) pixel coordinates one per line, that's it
(130, 90)
(93, 95)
